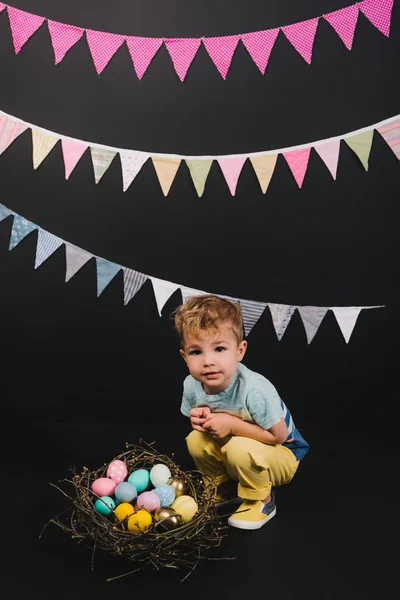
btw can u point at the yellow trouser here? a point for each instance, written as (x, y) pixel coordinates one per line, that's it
(256, 466)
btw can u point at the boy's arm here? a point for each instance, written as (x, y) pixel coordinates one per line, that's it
(221, 424)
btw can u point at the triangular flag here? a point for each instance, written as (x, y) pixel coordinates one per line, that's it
(47, 244)
(264, 166)
(20, 229)
(133, 281)
(166, 169)
(329, 153)
(312, 317)
(298, 162)
(142, 51)
(220, 50)
(346, 316)
(379, 13)
(2, 6)
(251, 312)
(231, 167)
(199, 170)
(72, 152)
(188, 292)
(63, 37)
(75, 259)
(131, 163)
(390, 133)
(301, 36)
(23, 25)
(163, 290)
(42, 144)
(5, 212)
(102, 47)
(106, 271)
(101, 159)
(9, 131)
(281, 315)
(182, 52)
(259, 45)
(344, 22)
(361, 144)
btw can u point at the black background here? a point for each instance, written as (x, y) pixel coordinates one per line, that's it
(81, 375)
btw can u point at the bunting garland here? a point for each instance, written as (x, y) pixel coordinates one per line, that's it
(166, 166)
(182, 51)
(76, 258)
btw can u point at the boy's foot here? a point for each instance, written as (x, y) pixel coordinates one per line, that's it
(227, 492)
(256, 515)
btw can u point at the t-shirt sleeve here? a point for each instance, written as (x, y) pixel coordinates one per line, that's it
(188, 397)
(264, 406)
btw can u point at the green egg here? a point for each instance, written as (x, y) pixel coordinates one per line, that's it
(104, 505)
(140, 479)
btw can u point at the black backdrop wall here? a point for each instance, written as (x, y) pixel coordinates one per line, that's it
(83, 375)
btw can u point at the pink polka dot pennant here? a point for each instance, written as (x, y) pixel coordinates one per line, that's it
(131, 163)
(102, 47)
(2, 7)
(221, 51)
(231, 168)
(344, 23)
(379, 13)
(301, 36)
(63, 37)
(142, 51)
(298, 162)
(259, 45)
(23, 25)
(182, 52)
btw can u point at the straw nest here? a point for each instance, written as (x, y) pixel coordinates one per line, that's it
(180, 548)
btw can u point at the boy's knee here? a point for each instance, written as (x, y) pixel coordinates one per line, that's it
(195, 442)
(235, 451)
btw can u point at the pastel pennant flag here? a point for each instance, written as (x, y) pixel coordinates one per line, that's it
(2, 7)
(43, 143)
(281, 315)
(220, 50)
(142, 51)
(188, 292)
(102, 47)
(9, 131)
(47, 244)
(251, 312)
(20, 229)
(259, 45)
(344, 22)
(75, 259)
(106, 271)
(72, 152)
(264, 166)
(312, 317)
(329, 153)
(199, 170)
(182, 52)
(389, 132)
(163, 290)
(301, 36)
(101, 159)
(231, 168)
(379, 13)
(298, 162)
(23, 25)
(361, 145)
(166, 169)
(131, 163)
(346, 316)
(63, 37)
(5, 212)
(133, 281)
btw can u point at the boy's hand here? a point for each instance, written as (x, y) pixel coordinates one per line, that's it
(219, 425)
(198, 417)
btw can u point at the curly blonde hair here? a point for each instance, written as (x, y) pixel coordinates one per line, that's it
(208, 313)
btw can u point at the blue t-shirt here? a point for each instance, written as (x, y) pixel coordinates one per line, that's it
(251, 397)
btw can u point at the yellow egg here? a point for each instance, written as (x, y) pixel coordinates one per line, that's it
(123, 510)
(186, 506)
(140, 521)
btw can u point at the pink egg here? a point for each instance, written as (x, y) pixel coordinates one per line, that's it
(103, 486)
(148, 500)
(117, 471)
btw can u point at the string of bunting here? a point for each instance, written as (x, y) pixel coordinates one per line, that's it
(166, 165)
(76, 258)
(182, 51)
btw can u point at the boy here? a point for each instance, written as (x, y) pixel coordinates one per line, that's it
(242, 430)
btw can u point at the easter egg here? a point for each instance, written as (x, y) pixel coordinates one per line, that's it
(104, 505)
(159, 474)
(140, 479)
(186, 506)
(148, 500)
(178, 485)
(103, 486)
(125, 492)
(166, 493)
(117, 471)
(166, 518)
(140, 521)
(123, 510)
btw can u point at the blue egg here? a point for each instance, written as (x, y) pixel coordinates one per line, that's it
(104, 505)
(125, 492)
(166, 493)
(140, 479)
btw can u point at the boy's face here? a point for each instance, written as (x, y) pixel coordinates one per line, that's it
(213, 357)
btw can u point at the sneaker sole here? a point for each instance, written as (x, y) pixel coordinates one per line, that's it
(250, 525)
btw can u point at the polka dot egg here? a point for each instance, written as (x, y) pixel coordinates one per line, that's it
(166, 493)
(117, 471)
